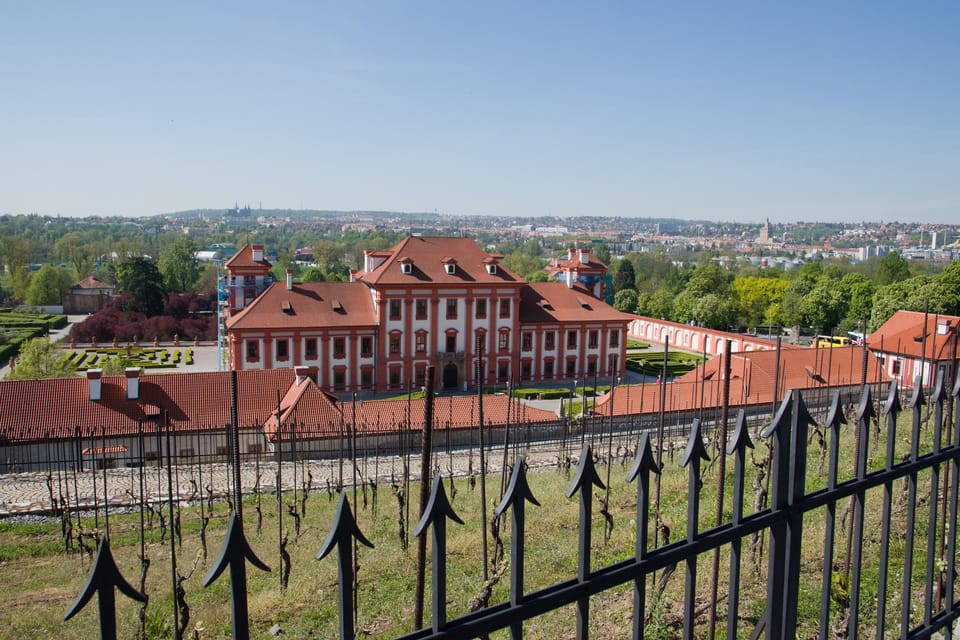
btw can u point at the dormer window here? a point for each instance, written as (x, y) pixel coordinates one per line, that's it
(450, 268)
(406, 268)
(492, 269)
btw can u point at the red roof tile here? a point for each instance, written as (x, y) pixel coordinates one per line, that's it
(905, 331)
(427, 254)
(751, 380)
(554, 302)
(244, 258)
(307, 306)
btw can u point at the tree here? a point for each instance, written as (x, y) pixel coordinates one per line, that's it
(755, 296)
(706, 279)
(892, 268)
(313, 274)
(602, 253)
(858, 292)
(208, 279)
(179, 266)
(40, 359)
(48, 286)
(714, 311)
(140, 277)
(625, 277)
(625, 300)
(824, 307)
(72, 250)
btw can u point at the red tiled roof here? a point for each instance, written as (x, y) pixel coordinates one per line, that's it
(303, 403)
(427, 254)
(33, 409)
(308, 305)
(92, 283)
(904, 334)
(554, 302)
(752, 375)
(244, 258)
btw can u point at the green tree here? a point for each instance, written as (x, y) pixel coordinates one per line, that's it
(40, 359)
(313, 274)
(208, 279)
(625, 277)
(824, 306)
(140, 277)
(714, 311)
(602, 253)
(858, 291)
(755, 296)
(707, 279)
(625, 300)
(179, 266)
(891, 268)
(19, 283)
(73, 250)
(48, 286)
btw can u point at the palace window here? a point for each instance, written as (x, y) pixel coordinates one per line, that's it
(339, 348)
(451, 308)
(394, 343)
(571, 368)
(591, 366)
(481, 308)
(253, 351)
(366, 346)
(394, 309)
(525, 370)
(548, 368)
(421, 342)
(421, 309)
(366, 377)
(283, 351)
(505, 308)
(339, 378)
(548, 341)
(593, 339)
(310, 348)
(571, 339)
(503, 341)
(526, 341)
(451, 342)
(614, 338)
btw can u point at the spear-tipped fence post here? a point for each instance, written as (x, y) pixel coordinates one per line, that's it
(835, 418)
(865, 412)
(342, 536)
(643, 464)
(235, 553)
(738, 448)
(585, 479)
(891, 409)
(789, 434)
(916, 406)
(954, 498)
(938, 396)
(104, 577)
(695, 454)
(517, 494)
(437, 511)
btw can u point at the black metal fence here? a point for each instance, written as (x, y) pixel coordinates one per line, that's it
(924, 531)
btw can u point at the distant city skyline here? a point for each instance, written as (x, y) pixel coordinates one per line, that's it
(737, 112)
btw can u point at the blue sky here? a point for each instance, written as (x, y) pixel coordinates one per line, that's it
(727, 111)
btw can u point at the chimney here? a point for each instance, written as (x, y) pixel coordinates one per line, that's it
(569, 275)
(257, 252)
(133, 383)
(95, 384)
(302, 373)
(943, 327)
(584, 256)
(570, 253)
(289, 279)
(366, 261)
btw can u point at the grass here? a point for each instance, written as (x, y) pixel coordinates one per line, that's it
(41, 580)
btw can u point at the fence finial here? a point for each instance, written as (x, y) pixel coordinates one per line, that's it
(916, 400)
(644, 460)
(835, 416)
(695, 446)
(104, 577)
(865, 410)
(344, 531)
(741, 435)
(938, 387)
(586, 473)
(438, 506)
(892, 405)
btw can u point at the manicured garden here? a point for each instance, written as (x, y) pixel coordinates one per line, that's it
(141, 357)
(18, 327)
(651, 363)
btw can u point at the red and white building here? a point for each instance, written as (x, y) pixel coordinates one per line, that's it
(912, 345)
(428, 300)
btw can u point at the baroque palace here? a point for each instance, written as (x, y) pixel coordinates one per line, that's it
(429, 300)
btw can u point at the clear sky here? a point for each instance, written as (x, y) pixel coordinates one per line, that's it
(732, 111)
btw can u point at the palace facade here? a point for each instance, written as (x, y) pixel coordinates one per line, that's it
(428, 300)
